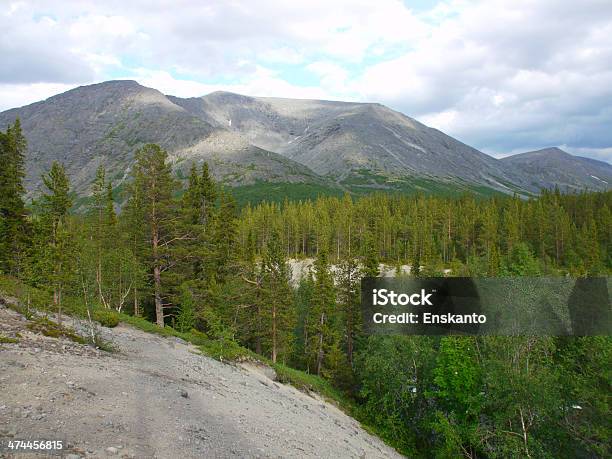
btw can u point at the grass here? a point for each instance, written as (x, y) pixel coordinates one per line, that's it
(8, 340)
(363, 182)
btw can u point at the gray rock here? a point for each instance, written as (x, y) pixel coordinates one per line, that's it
(111, 450)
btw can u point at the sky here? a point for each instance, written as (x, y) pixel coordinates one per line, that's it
(504, 76)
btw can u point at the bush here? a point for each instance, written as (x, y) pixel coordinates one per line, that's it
(106, 318)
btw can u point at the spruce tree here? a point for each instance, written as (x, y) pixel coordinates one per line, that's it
(13, 223)
(322, 331)
(370, 262)
(277, 310)
(56, 204)
(224, 237)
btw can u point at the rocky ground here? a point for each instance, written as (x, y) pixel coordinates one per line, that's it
(159, 398)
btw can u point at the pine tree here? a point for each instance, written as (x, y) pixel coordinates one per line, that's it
(494, 265)
(248, 315)
(349, 300)
(277, 310)
(370, 263)
(101, 226)
(197, 210)
(151, 194)
(13, 224)
(224, 237)
(321, 323)
(56, 204)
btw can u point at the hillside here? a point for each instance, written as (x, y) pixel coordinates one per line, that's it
(159, 397)
(105, 123)
(342, 140)
(552, 167)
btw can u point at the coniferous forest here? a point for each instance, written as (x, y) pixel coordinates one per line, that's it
(185, 256)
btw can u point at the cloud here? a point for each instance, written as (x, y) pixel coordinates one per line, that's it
(263, 82)
(505, 75)
(17, 95)
(502, 75)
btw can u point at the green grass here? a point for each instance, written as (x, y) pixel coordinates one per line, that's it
(363, 182)
(8, 340)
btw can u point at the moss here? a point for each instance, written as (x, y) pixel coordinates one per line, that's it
(7, 340)
(46, 327)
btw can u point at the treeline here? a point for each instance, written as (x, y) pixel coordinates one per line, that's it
(566, 232)
(191, 260)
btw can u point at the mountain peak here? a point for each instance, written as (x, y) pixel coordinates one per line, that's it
(543, 153)
(554, 167)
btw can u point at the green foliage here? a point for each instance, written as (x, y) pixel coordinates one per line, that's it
(566, 233)
(185, 319)
(522, 262)
(107, 318)
(277, 313)
(13, 224)
(222, 276)
(153, 215)
(279, 192)
(322, 319)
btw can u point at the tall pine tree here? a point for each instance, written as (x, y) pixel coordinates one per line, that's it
(13, 224)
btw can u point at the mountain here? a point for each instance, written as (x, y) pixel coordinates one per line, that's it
(270, 147)
(105, 123)
(552, 167)
(346, 141)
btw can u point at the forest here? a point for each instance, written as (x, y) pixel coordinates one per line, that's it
(187, 257)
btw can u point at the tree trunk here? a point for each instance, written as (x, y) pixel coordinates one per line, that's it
(136, 311)
(274, 334)
(159, 308)
(349, 341)
(320, 353)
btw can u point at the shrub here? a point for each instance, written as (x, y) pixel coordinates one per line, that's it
(106, 318)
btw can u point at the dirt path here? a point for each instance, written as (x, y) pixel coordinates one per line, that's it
(158, 397)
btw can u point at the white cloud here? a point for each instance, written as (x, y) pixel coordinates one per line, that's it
(501, 75)
(263, 82)
(17, 95)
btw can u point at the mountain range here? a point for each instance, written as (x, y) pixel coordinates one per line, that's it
(312, 145)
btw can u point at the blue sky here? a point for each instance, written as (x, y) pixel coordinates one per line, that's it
(502, 75)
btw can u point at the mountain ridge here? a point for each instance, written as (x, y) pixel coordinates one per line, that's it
(336, 145)
(554, 167)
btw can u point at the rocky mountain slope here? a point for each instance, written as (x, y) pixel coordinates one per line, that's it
(334, 146)
(340, 139)
(159, 397)
(105, 123)
(552, 167)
